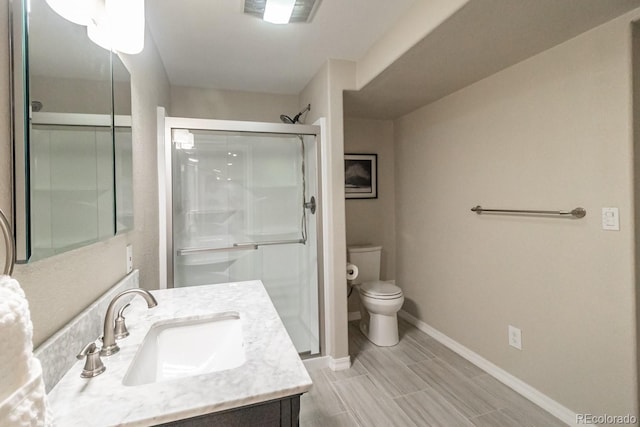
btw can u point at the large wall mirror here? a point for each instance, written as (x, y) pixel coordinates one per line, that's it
(72, 135)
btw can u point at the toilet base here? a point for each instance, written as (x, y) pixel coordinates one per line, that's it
(382, 330)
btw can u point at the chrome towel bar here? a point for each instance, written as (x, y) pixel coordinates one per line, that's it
(10, 251)
(576, 213)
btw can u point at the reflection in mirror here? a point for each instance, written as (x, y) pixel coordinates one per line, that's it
(122, 145)
(71, 187)
(71, 161)
(67, 72)
(66, 193)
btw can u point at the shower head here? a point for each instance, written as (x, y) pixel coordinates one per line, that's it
(36, 106)
(288, 120)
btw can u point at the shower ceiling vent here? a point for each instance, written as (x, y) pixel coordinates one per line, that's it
(303, 10)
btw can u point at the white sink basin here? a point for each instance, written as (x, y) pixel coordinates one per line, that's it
(180, 348)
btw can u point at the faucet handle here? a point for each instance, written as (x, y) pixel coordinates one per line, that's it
(120, 330)
(93, 365)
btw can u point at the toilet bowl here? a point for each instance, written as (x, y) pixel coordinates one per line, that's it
(380, 301)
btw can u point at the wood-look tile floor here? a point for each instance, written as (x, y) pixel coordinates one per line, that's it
(418, 382)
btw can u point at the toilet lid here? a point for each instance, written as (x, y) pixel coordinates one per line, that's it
(380, 289)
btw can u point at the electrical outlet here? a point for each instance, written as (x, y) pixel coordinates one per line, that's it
(611, 219)
(129, 259)
(515, 337)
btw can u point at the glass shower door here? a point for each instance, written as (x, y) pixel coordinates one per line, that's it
(238, 214)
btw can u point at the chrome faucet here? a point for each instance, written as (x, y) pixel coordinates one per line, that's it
(109, 345)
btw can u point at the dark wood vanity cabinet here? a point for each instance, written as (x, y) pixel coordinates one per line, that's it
(275, 413)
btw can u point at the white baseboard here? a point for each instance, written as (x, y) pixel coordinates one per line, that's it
(545, 402)
(354, 315)
(327, 362)
(340, 364)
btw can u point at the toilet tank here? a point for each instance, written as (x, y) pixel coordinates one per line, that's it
(367, 259)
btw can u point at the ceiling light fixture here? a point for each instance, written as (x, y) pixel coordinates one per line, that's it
(111, 24)
(282, 11)
(278, 11)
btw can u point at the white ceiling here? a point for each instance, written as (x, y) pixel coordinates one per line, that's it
(213, 44)
(482, 38)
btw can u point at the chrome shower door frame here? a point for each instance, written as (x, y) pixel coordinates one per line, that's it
(165, 186)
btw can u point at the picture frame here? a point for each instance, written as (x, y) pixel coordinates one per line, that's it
(361, 176)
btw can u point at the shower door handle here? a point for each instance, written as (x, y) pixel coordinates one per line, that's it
(235, 247)
(239, 247)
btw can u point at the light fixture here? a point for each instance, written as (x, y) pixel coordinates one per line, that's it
(183, 139)
(77, 11)
(278, 11)
(111, 24)
(282, 11)
(119, 26)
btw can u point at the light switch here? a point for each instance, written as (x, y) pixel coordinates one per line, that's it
(610, 219)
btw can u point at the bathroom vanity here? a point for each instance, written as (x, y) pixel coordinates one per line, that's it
(163, 374)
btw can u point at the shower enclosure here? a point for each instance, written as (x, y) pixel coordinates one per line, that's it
(241, 206)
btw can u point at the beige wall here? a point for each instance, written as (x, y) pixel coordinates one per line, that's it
(324, 93)
(636, 168)
(372, 221)
(552, 132)
(5, 109)
(149, 89)
(60, 287)
(230, 105)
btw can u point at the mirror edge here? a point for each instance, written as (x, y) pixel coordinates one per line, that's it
(20, 127)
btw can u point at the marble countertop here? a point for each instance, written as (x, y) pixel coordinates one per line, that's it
(272, 369)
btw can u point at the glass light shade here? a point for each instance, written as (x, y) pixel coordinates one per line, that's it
(278, 11)
(100, 35)
(120, 27)
(127, 25)
(77, 11)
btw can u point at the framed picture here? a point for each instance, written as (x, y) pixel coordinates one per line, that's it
(361, 176)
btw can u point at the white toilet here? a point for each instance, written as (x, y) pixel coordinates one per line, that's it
(379, 300)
